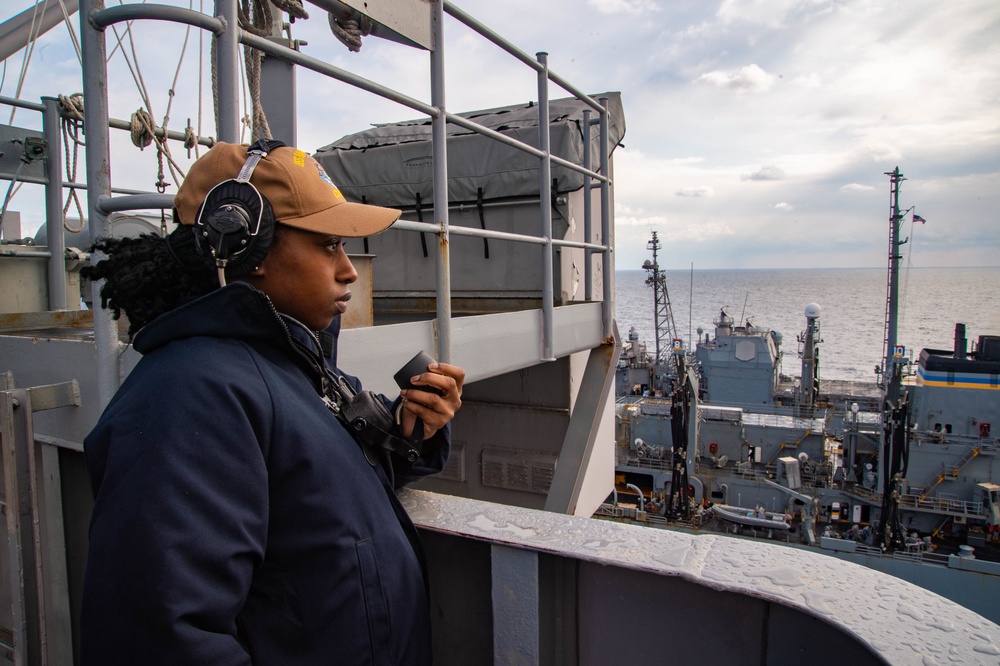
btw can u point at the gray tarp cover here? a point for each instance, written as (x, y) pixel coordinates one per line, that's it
(390, 165)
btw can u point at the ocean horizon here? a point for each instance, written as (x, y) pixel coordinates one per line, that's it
(852, 305)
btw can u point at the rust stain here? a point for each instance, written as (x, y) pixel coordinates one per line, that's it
(24, 321)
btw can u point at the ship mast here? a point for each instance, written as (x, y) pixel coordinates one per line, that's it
(663, 316)
(892, 297)
(895, 402)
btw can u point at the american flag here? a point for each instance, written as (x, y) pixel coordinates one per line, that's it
(917, 218)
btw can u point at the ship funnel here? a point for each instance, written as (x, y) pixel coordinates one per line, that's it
(961, 344)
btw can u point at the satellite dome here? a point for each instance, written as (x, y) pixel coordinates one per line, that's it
(812, 311)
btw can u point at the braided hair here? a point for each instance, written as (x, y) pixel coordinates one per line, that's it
(149, 275)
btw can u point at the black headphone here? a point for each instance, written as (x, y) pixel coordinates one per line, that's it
(237, 220)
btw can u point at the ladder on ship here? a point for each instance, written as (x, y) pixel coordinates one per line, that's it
(663, 316)
(952, 471)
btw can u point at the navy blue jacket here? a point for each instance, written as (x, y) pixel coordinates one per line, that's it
(236, 521)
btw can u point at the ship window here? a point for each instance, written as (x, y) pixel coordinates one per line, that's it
(947, 428)
(937, 427)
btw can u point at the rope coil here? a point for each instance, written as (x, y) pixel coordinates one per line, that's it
(143, 128)
(72, 106)
(350, 31)
(294, 8)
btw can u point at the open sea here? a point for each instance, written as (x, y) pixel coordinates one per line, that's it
(852, 305)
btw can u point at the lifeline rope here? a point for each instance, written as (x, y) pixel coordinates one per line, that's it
(260, 24)
(72, 124)
(350, 31)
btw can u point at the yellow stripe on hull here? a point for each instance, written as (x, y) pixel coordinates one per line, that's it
(922, 381)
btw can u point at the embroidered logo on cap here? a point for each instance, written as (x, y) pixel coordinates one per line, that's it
(326, 179)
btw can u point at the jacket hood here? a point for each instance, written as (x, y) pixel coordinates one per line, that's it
(234, 311)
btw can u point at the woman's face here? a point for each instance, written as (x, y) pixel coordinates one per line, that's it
(306, 275)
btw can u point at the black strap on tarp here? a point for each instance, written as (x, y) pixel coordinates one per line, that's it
(364, 200)
(420, 218)
(482, 222)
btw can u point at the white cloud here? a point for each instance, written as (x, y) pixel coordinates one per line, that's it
(856, 187)
(701, 232)
(624, 6)
(784, 206)
(772, 13)
(697, 192)
(651, 221)
(811, 80)
(750, 78)
(880, 152)
(767, 172)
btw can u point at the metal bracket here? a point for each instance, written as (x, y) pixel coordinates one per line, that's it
(52, 396)
(35, 148)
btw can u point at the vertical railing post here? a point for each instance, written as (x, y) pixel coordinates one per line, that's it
(95, 123)
(439, 140)
(545, 204)
(588, 220)
(607, 263)
(516, 618)
(19, 551)
(53, 206)
(227, 59)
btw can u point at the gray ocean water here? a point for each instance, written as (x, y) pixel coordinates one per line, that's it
(852, 302)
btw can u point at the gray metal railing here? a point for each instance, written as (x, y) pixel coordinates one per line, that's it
(229, 36)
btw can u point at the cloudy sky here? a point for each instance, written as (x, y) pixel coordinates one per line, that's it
(758, 131)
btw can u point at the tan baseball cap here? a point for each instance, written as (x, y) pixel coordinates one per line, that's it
(299, 191)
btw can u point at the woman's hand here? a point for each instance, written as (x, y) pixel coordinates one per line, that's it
(433, 409)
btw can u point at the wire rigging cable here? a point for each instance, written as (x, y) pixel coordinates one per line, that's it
(143, 125)
(29, 49)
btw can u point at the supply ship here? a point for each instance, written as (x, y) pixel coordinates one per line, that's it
(502, 263)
